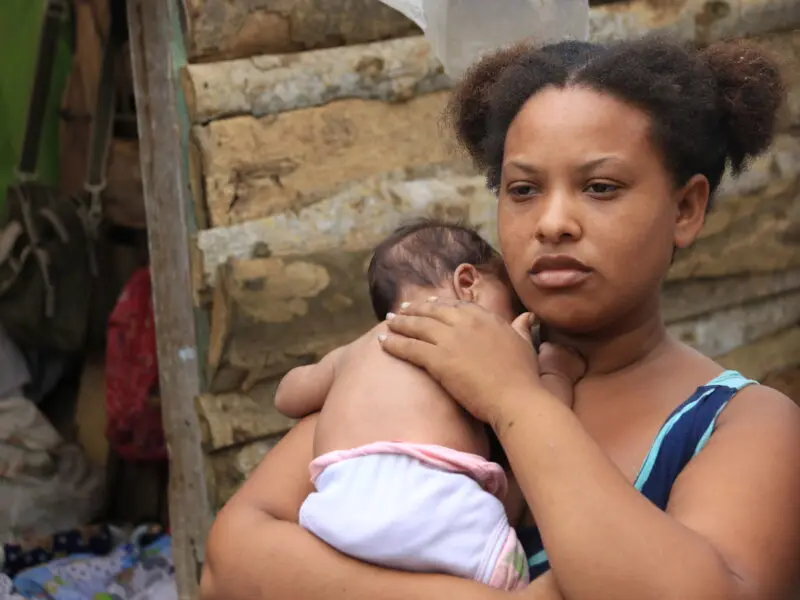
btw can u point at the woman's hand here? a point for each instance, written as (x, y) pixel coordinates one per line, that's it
(475, 355)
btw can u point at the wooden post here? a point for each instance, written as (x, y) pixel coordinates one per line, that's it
(157, 55)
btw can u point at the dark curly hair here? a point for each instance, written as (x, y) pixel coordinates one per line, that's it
(710, 108)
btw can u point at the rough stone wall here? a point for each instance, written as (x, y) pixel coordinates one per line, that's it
(302, 162)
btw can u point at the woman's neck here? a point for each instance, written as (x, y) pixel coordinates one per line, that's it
(619, 348)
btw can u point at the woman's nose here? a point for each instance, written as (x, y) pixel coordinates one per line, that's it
(558, 219)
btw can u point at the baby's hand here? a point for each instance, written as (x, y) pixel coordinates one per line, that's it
(561, 362)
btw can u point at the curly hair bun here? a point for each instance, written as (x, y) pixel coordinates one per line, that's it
(751, 92)
(469, 105)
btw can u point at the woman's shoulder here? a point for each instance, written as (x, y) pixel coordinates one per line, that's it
(750, 409)
(760, 405)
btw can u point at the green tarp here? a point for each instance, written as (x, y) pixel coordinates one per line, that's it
(20, 21)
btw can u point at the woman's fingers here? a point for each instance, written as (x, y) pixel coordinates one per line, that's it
(441, 310)
(420, 354)
(425, 329)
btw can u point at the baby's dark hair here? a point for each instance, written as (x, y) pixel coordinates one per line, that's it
(426, 252)
(710, 107)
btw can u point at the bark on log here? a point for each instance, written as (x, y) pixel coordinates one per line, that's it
(390, 71)
(689, 299)
(253, 168)
(718, 333)
(354, 220)
(693, 20)
(232, 419)
(277, 313)
(269, 84)
(767, 355)
(220, 29)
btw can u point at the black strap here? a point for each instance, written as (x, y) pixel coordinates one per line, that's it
(54, 14)
(103, 121)
(102, 124)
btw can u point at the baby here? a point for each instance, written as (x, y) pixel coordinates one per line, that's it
(402, 473)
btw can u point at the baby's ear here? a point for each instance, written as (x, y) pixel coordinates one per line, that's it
(465, 279)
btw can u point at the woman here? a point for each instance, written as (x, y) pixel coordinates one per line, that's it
(604, 160)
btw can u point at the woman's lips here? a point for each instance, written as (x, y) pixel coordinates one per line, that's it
(558, 271)
(554, 279)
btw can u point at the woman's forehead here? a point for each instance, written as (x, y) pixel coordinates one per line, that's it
(578, 123)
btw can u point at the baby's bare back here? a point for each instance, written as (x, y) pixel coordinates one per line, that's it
(376, 397)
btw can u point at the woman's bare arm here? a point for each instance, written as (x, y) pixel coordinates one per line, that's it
(732, 529)
(256, 550)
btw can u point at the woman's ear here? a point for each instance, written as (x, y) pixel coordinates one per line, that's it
(465, 281)
(691, 215)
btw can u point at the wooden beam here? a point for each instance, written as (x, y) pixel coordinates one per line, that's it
(257, 167)
(219, 29)
(391, 71)
(155, 56)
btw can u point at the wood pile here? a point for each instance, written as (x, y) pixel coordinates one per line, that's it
(307, 149)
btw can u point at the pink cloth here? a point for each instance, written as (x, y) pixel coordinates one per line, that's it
(488, 474)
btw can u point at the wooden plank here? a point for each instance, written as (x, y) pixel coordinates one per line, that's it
(723, 331)
(264, 85)
(771, 354)
(219, 29)
(155, 59)
(237, 418)
(692, 20)
(398, 69)
(253, 168)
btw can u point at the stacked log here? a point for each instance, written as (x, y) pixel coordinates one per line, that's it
(302, 162)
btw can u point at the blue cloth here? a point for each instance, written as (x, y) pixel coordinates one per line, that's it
(681, 437)
(140, 569)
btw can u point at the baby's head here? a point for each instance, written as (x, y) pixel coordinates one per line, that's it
(430, 258)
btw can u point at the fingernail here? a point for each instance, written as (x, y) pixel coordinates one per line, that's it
(390, 316)
(433, 298)
(405, 305)
(382, 337)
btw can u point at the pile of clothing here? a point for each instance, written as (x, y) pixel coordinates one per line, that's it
(93, 563)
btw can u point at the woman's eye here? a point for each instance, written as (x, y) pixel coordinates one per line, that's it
(523, 190)
(602, 188)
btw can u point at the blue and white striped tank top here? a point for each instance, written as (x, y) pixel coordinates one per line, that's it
(681, 437)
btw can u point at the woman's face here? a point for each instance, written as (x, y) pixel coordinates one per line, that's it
(588, 216)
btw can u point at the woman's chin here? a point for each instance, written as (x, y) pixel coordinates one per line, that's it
(569, 321)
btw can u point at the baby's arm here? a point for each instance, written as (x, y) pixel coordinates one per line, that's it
(302, 390)
(559, 370)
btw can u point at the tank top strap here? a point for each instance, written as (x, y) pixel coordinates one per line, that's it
(684, 434)
(680, 438)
